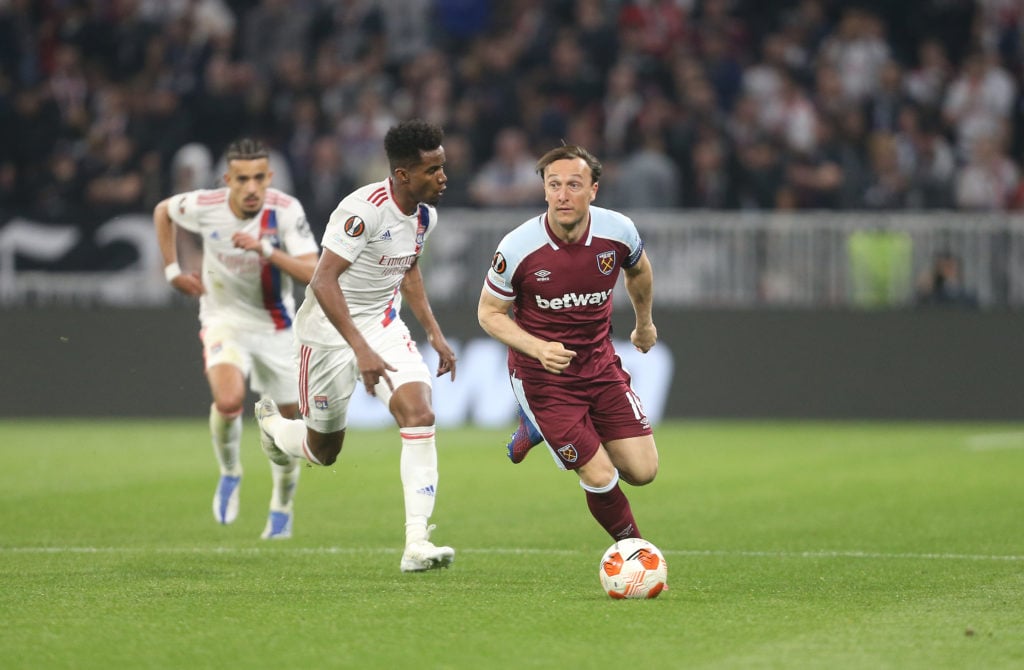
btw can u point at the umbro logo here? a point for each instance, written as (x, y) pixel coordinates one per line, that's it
(542, 275)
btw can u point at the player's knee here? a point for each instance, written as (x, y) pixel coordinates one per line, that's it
(646, 476)
(326, 449)
(228, 406)
(640, 475)
(328, 454)
(418, 416)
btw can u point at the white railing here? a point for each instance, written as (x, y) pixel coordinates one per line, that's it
(701, 259)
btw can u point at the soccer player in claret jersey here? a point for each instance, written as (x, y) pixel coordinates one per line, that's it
(255, 240)
(557, 272)
(350, 330)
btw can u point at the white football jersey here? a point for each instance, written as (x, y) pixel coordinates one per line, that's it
(371, 232)
(242, 288)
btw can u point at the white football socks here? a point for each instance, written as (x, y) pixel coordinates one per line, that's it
(226, 434)
(286, 479)
(419, 479)
(290, 437)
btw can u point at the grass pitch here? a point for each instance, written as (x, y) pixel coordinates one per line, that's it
(790, 545)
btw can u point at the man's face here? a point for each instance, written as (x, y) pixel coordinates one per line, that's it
(568, 190)
(427, 180)
(247, 182)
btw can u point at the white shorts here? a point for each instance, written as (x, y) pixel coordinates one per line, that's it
(267, 360)
(328, 377)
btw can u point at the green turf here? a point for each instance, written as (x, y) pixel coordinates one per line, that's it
(791, 545)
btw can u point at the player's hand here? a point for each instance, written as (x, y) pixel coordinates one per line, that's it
(643, 338)
(373, 368)
(445, 356)
(248, 242)
(554, 357)
(189, 283)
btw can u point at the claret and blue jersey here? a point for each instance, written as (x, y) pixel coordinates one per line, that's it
(563, 292)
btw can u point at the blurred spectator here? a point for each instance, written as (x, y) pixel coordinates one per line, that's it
(978, 102)
(510, 178)
(271, 29)
(888, 185)
(942, 285)
(790, 117)
(114, 181)
(569, 84)
(407, 25)
(596, 33)
(762, 79)
(759, 174)
(814, 179)
(650, 30)
(716, 17)
(58, 192)
(990, 179)
(622, 104)
(828, 95)
(712, 183)
(723, 68)
(459, 168)
(857, 49)
(927, 159)
(192, 169)
(322, 185)
(926, 82)
(808, 25)
(361, 133)
(459, 21)
(884, 105)
(220, 113)
(646, 178)
(849, 141)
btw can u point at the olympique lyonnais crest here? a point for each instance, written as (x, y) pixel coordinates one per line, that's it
(606, 262)
(568, 453)
(320, 401)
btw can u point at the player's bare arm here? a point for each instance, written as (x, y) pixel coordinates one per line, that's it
(372, 368)
(415, 296)
(189, 283)
(639, 281)
(492, 313)
(299, 267)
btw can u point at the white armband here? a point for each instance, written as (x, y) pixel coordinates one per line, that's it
(268, 248)
(171, 271)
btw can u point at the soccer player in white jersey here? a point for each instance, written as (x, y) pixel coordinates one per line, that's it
(255, 240)
(556, 273)
(350, 330)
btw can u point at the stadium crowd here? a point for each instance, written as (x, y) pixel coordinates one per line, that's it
(106, 105)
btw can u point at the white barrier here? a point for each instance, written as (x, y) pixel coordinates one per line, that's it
(721, 259)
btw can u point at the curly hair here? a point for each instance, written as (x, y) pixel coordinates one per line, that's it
(404, 142)
(570, 151)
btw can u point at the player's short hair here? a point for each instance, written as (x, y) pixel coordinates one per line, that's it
(246, 149)
(570, 151)
(404, 142)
